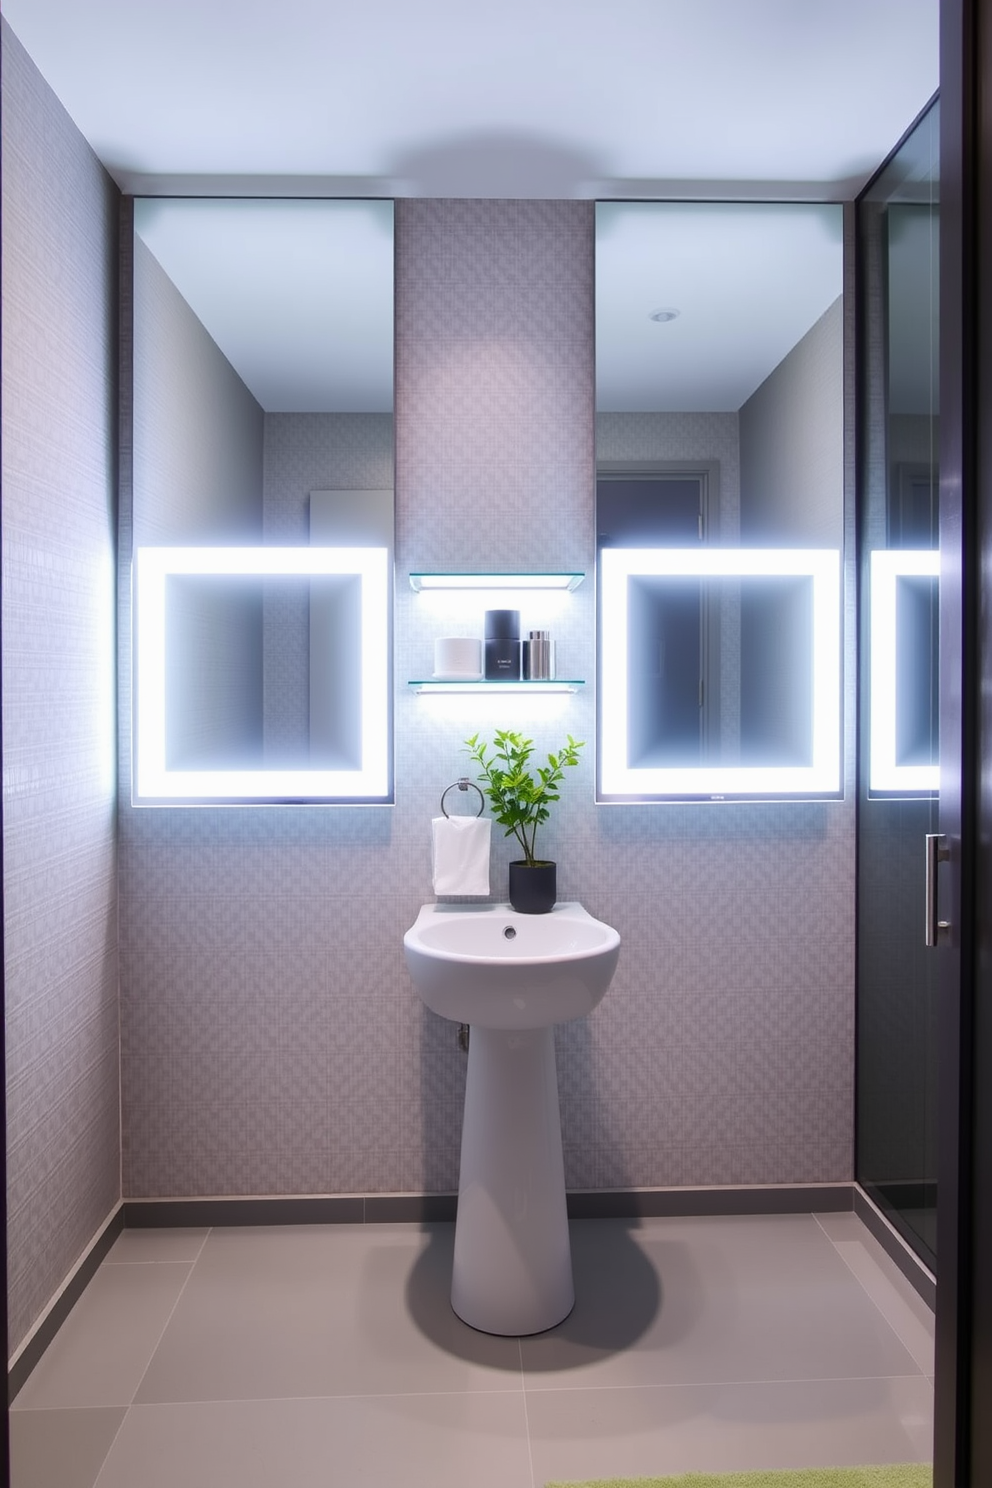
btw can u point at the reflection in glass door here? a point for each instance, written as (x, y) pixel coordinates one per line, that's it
(898, 744)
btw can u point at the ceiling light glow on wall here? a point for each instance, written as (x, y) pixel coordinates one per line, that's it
(822, 776)
(885, 773)
(155, 780)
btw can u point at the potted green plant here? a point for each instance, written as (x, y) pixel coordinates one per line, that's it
(521, 800)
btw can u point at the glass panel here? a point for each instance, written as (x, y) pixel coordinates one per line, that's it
(719, 432)
(449, 581)
(263, 394)
(898, 252)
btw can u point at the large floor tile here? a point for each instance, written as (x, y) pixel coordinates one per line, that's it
(323, 1310)
(330, 1355)
(578, 1434)
(425, 1441)
(689, 1301)
(102, 1349)
(153, 1246)
(895, 1297)
(60, 1448)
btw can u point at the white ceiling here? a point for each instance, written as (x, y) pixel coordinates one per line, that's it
(747, 280)
(606, 99)
(298, 294)
(512, 98)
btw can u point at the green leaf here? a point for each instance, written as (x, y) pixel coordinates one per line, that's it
(521, 799)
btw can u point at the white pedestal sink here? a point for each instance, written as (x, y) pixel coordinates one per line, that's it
(511, 977)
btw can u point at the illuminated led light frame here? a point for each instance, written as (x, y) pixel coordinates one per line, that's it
(823, 777)
(154, 781)
(888, 566)
(565, 581)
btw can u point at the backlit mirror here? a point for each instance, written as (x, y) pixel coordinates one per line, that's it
(720, 500)
(777, 731)
(262, 501)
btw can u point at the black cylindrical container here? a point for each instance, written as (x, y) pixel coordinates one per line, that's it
(503, 645)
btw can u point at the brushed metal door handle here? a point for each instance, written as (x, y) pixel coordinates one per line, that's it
(938, 851)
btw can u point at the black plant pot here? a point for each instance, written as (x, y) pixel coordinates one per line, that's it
(533, 887)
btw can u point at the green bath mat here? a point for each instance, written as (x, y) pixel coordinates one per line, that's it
(912, 1475)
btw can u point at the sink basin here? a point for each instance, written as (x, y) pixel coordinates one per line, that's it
(494, 968)
(511, 977)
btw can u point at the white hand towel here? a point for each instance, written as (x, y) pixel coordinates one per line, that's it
(461, 854)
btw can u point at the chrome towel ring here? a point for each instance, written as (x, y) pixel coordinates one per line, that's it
(464, 784)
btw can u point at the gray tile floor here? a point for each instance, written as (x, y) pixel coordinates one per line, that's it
(317, 1356)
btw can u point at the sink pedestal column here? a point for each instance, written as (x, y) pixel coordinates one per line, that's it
(513, 1266)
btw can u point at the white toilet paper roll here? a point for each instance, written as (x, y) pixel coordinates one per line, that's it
(457, 658)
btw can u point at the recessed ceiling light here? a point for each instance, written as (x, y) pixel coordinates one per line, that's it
(663, 315)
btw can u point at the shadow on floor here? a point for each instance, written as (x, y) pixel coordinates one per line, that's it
(618, 1296)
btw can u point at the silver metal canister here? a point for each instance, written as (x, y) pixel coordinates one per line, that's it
(539, 657)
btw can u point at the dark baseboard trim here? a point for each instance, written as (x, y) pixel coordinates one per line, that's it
(46, 1329)
(607, 1203)
(645, 1203)
(898, 1249)
(142, 1214)
(410, 1208)
(145, 1214)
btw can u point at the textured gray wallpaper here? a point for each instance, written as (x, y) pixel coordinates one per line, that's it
(272, 1040)
(60, 878)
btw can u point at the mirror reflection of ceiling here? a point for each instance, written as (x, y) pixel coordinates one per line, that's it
(595, 98)
(747, 281)
(913, 270)
(317, 279)
(910, 188)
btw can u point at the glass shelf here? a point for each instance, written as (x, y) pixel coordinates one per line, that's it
(432, 685)
(562, 581)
